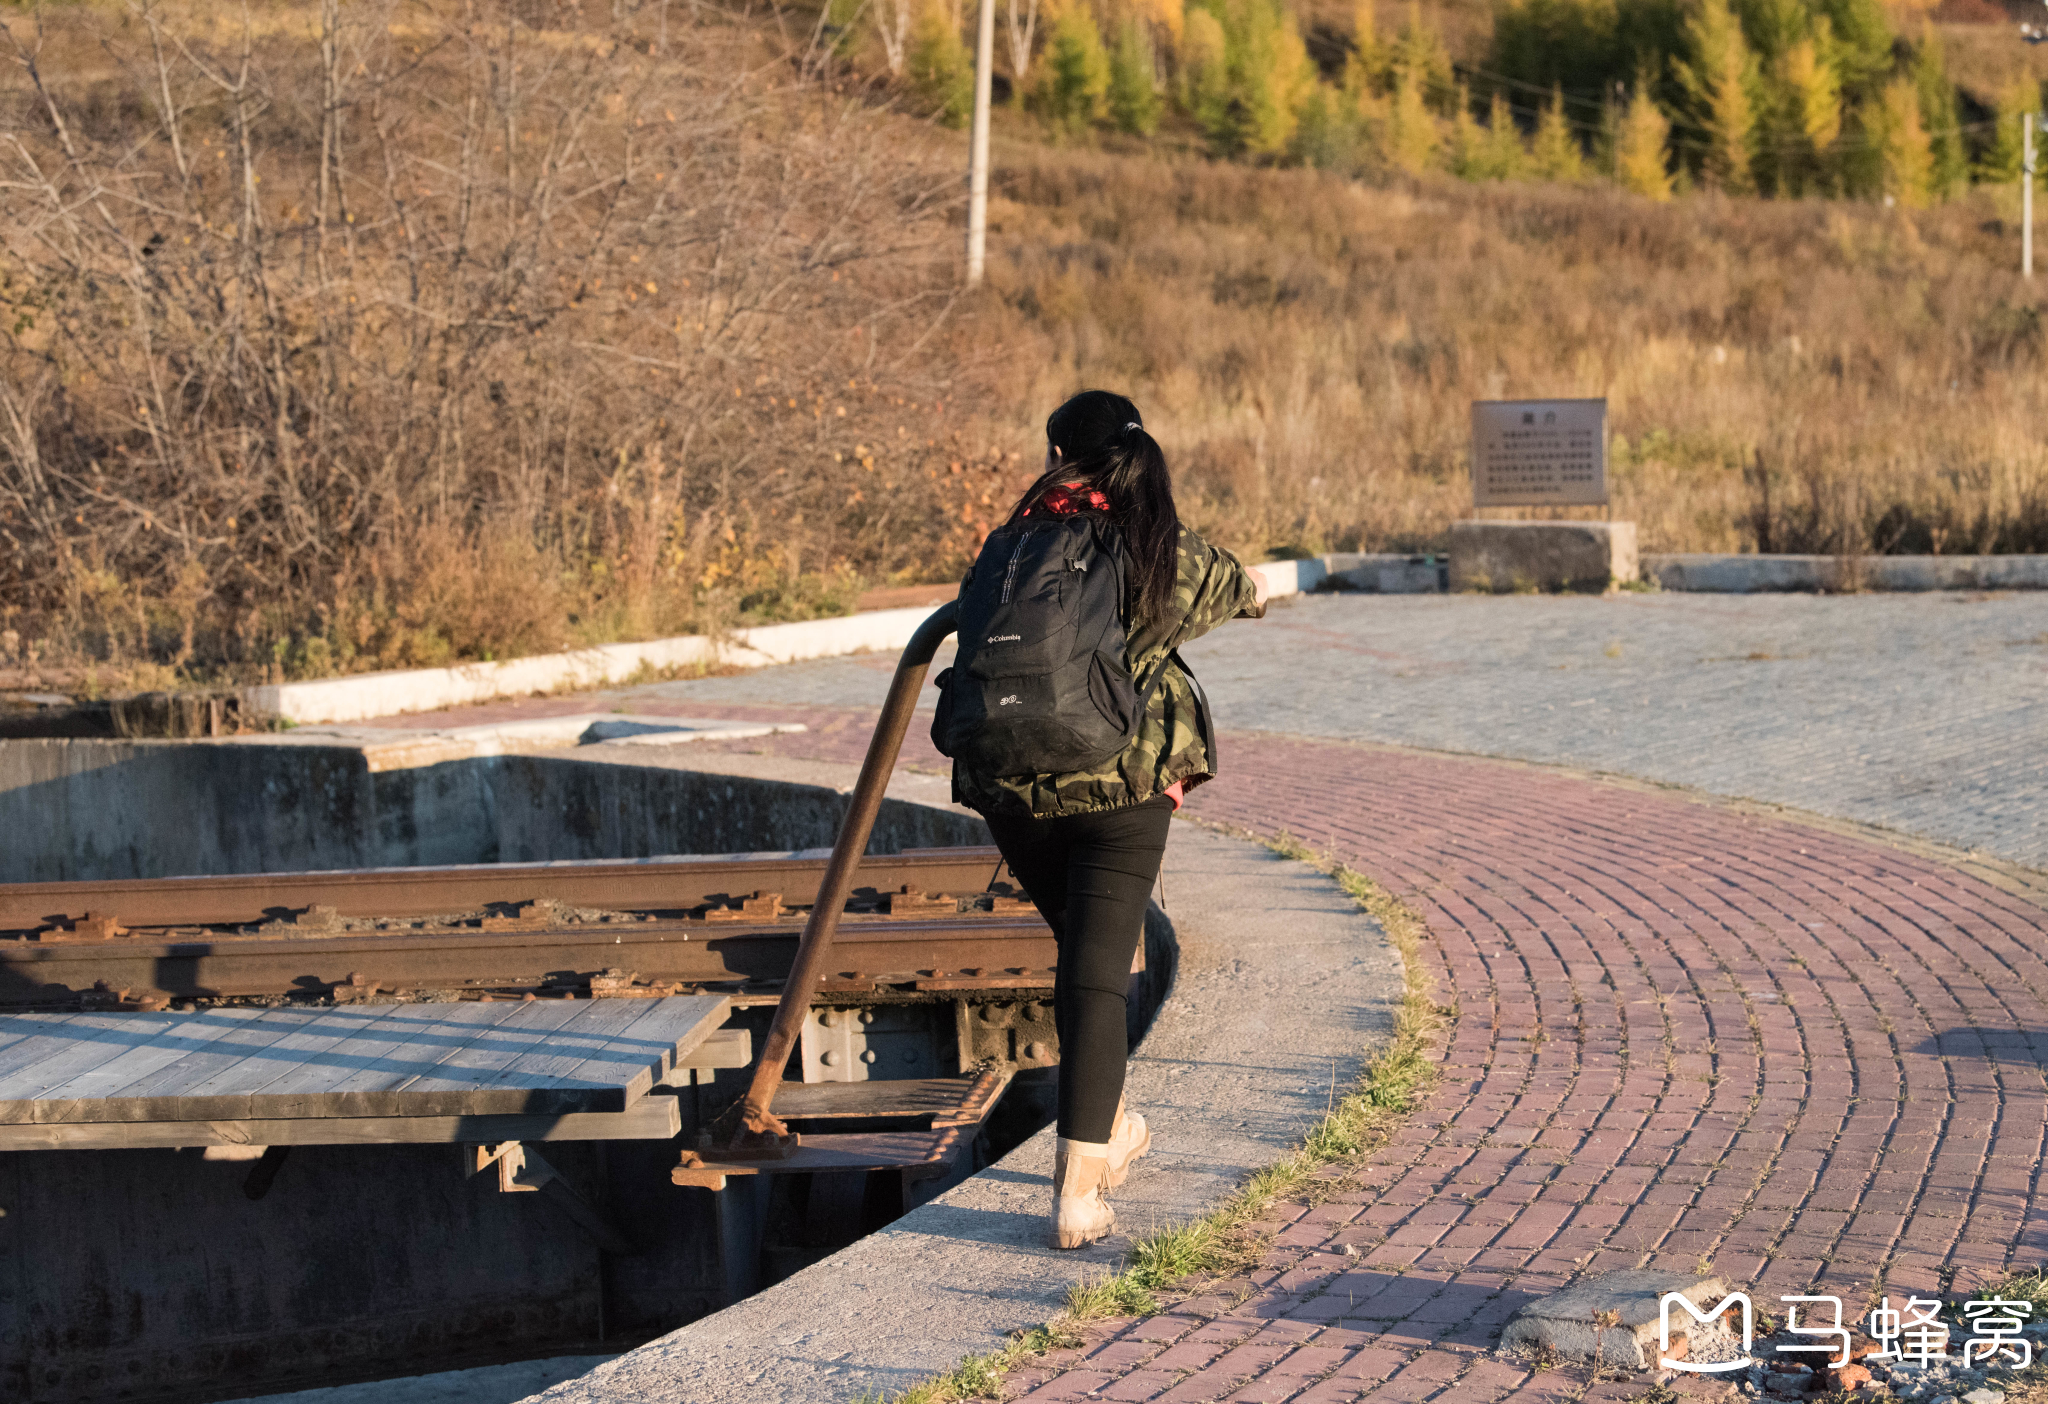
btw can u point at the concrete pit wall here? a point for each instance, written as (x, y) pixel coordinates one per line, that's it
(81, 810)
(151, 1276)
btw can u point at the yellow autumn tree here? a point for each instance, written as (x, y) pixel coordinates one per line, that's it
(1554, 151)
(1167, 17)
(1506, 157)
(1811, 89)
(1365, 66)
(1273, 73)
(1205, 74)
(1721, 79)
(1639, 162)
(1412, 134)
(1905, 152)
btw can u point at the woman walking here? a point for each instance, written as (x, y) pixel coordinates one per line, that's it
(1085, 840)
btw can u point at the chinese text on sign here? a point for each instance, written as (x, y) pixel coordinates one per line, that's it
(1539, 453)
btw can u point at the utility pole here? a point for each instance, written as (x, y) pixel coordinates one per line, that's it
(2027, 196)
(977, 152)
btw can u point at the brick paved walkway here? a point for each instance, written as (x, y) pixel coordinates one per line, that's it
(1682, 1033)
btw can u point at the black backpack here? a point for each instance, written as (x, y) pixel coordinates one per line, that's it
(1040, 685)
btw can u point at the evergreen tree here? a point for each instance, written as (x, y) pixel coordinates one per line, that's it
(1555, 150)
(1465, 149)
(1940, 117)
(1721, 79)
(1073, 79)
(1506, 158)
(1366, 65)
(1270, 72)
(1420, 50)
(1412, 134)
(1861, 46)
(1811, 101)
(1205, 78)
(1905, 155)
(1639, 146)
(940, 69)
(1999, 162)
(1133, 89)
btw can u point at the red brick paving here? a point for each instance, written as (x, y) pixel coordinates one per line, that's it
(1681, 1033)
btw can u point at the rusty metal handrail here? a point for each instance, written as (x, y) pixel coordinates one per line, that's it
(751, 1126)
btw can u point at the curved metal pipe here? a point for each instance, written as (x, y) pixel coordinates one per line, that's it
(758, 1129)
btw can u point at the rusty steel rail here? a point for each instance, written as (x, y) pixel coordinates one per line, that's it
(949, 952)
(666, 885)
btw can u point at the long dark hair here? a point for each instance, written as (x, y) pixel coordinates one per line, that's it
(1103, 446)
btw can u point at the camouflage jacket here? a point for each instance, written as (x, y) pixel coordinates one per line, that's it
(1212, 586)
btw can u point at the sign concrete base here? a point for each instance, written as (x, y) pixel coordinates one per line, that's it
(1500, 557)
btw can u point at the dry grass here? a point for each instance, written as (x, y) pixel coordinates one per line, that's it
(378, 334)
(362, 336)
(1789, 376)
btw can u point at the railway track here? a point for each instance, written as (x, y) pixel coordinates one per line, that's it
(924, 924)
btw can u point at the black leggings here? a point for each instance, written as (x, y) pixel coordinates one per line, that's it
(1089, 875)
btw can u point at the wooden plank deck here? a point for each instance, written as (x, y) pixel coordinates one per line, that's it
(649, 1119)
(546, 1058)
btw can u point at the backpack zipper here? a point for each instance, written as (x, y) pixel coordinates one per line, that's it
(1010, 576)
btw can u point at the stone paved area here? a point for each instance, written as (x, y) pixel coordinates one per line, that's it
(1925, 713)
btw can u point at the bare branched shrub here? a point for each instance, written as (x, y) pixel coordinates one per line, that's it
(388, 332)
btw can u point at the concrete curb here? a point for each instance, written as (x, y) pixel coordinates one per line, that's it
(1742, 575)
(1282, 983)
(430, 689)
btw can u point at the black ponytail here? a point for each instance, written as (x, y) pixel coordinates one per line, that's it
(1103, 446)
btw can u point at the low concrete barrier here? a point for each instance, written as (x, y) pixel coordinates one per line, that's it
(1742, 575)
(430, 689)
(1292, 577)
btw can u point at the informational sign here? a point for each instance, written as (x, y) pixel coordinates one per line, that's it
(1539, 453)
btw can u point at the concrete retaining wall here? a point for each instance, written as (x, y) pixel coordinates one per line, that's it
(86, 809)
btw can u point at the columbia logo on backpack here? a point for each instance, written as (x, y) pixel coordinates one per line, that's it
(1056, 697)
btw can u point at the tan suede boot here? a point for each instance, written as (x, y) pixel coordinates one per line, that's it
(1080, 1170)
(1131, 1139)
